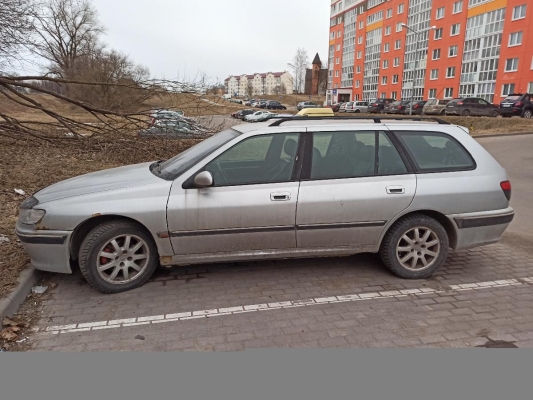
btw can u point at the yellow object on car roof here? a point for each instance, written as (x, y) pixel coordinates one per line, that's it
(316, 112)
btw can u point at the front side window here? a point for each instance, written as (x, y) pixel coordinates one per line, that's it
(256, 160)
(435, 151)
(342, 155)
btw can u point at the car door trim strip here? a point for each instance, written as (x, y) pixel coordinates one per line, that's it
(341, 226)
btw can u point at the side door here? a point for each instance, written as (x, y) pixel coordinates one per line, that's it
(251, 205)
(355, 182)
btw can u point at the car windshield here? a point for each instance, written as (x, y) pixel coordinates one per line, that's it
(174, 167)
(512, 98)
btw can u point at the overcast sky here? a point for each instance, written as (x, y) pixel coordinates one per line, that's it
(220, 37)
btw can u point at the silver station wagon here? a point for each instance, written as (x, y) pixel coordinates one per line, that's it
(409, 190)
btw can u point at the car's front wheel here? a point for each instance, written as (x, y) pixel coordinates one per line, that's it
(117, 256)
(415, 247)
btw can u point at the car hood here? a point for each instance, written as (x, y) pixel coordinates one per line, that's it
(109, 179)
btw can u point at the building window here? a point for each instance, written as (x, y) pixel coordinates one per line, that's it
(515, 39)
(358, 69)
(432, 93)
(395, 78)
(386, 47)
(434, 74)
(530, 87)
(519, 12)
(511, 65)
(361, 24)
(387, 31)
(389, 13)
(436, 54)
(456, 28)
(337, 60)
(452, 51)
(399, 27)
(398, 44)
(438, 34)
(393, 95)
(339, 33)
(450, 72)
(458, 7)
(360, 40)
(400, 8)
(338, 47)
(357, 84)
(385, 64)
(336, 74)
(396, 62)
(359, 54)
(383, 95)
(383, 80)
(332, 36)
(440, 13)
(507, 89)
(448, 93)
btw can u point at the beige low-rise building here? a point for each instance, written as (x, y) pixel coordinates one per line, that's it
(269, 83)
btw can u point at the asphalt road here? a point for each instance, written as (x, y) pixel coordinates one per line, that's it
(515, 154)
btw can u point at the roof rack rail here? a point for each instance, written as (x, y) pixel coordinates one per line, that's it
(376, 120)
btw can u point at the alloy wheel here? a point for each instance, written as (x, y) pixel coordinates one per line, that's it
(123, 259)
(418, 249)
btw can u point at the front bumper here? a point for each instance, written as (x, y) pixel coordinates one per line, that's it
(481, 228)
(48, 250)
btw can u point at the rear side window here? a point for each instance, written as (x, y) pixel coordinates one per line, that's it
(436, 152)
(341, 155)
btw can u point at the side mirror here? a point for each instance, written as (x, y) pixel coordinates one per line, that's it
(203, 179)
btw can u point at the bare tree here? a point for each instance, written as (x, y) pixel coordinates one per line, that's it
(15, 28)
(67, 30)
(299, 65)
(250, 89)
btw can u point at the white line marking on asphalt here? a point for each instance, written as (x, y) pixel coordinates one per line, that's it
(217, 312)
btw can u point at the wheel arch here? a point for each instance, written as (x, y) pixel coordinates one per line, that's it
(86, 226)
(449, 227)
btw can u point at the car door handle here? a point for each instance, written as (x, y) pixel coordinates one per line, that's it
(281, 196)
(395, 189)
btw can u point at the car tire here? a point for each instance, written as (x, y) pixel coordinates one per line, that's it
(528, 114)
(465, 113)
(395, 247)
(357, 111)
(110, 238)
(494, 114)
(443, 112)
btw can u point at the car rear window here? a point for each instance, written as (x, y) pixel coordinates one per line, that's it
(436, 152)
(512, 98)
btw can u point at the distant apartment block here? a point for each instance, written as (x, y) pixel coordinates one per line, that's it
(454, 48)
(269, 83)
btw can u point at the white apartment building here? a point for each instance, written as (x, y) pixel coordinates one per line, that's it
(269, 83)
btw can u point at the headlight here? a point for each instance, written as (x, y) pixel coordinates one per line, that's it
(29, 203)
(31, 217)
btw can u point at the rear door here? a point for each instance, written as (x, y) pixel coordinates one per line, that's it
(352, 184)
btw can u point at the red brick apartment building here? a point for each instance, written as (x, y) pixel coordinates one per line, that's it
(450, 48)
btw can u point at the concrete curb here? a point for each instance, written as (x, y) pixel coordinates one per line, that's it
(502, 134)
(28, 278)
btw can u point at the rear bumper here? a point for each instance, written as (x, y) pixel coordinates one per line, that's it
(510, 111)
(48, 250)
(453, 112)
(481, 228)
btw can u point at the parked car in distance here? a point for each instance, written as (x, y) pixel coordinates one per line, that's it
(168, 115)
(335, 107)
(171, 129)
(435, 107)
(517, 105)
(377, 106)
(270, 115)
(274, 105)
(408, 190)
(344, 106)
(358, 107)
(306, 104)
(249, 102)
(396, 107)
(262, 104)
(242, 113)
(474, 106)
(255, 116)
(418, 107)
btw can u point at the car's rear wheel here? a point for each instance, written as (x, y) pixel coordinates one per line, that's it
(415, 247)
(465, 113)
(528, 114)
(494, 114)
(443, 112)
(117, 256)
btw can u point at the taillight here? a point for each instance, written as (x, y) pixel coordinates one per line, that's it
(400, 107)
(416, 106)
(506, 187)
(152, 121)
(460, 103)
(518, 104)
